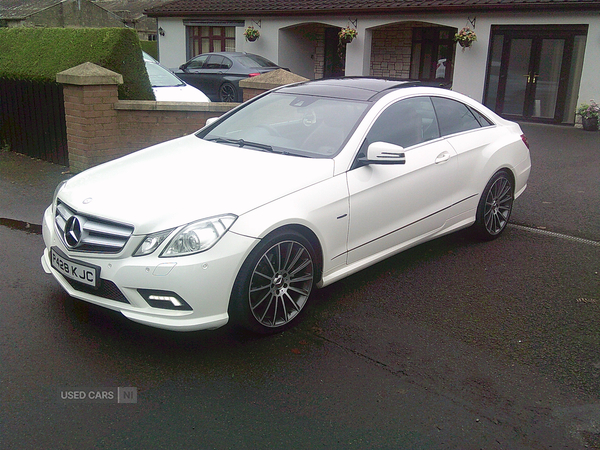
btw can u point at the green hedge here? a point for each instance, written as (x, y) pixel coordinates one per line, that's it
(38, 54)
(150, 47)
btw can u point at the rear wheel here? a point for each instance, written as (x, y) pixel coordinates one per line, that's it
(274, 283)
(228, 93)
(495, 206)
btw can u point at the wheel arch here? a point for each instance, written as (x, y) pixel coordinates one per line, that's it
(310, 236)
(508, 170)
(484, 181)
(492, 171)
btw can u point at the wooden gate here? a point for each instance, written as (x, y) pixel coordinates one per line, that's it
(32, 120)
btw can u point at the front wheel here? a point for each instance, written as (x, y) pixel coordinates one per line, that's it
(495, 206)
(274, 283)
(227, 93)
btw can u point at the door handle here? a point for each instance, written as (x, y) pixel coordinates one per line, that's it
(532, 78)
(442, 158)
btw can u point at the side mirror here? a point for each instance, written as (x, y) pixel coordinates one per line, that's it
(384, 153)
(211, 120)
(182, 67)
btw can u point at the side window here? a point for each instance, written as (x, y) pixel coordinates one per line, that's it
(453, 116)
(405, 123)
(214, 62)
(198, 62)
(226, 64)
(484, 121)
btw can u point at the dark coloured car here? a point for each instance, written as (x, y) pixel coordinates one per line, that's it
(218, 74)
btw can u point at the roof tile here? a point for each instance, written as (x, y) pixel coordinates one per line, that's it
(214, 7)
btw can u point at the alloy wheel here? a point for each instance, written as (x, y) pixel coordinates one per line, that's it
(498, 205)
(228, 93)
(280, 283)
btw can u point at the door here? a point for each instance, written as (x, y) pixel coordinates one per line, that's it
(533, 77)
(530, 72)
(391, 205)
(335, 54)
(213, 72)
(191, 73)
(432, 54)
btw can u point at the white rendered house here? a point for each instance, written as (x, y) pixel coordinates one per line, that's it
(531, 61)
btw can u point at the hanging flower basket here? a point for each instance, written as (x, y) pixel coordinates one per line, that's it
(347, 35)
(465, 37)
(251, 34)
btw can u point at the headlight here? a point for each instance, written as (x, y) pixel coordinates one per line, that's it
(57, 190)
(152, 242)
(199, 236)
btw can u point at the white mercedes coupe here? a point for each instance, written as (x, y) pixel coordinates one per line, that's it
(293, 190)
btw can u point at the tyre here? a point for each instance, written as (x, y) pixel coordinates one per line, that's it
(228, 93)
(495, 206)
(274, 283)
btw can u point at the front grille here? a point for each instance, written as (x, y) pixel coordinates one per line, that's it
(90, 234)
(107, 290)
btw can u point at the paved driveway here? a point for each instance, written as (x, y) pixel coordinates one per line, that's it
(564, 187)
(454, 344)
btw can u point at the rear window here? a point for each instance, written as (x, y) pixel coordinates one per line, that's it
(217, 62)
(255, 61)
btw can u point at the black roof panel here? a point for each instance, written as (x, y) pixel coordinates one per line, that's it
(351, 88)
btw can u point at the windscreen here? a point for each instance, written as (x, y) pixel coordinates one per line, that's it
(161, 77)
(301, 125)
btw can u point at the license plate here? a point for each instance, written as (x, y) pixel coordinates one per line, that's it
(75, 270)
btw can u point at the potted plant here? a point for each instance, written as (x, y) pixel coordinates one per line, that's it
(347, 34)
(589, 115)
(251, 34)
(465, 37)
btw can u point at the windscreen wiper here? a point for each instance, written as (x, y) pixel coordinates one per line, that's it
(242, 143)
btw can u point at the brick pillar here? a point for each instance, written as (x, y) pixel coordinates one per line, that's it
(90, 93)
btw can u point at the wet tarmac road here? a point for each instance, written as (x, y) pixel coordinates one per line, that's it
(454, 344)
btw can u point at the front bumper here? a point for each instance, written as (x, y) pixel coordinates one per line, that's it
(204, 281)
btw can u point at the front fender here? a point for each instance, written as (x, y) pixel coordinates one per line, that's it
(322, 208)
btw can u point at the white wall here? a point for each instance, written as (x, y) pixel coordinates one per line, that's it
(171, 46)
(266, 45)
(590, 78)
(300, 60)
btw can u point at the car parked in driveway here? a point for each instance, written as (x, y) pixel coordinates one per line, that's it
(167, 87)
(292, 190)
(218, 74)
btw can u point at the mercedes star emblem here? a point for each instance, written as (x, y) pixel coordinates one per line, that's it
(73, 231)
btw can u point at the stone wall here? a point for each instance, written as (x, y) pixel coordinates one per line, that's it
(391, 51)
(319, 32)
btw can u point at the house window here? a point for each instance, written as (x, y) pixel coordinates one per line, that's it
(207, 39)
(432, 54)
